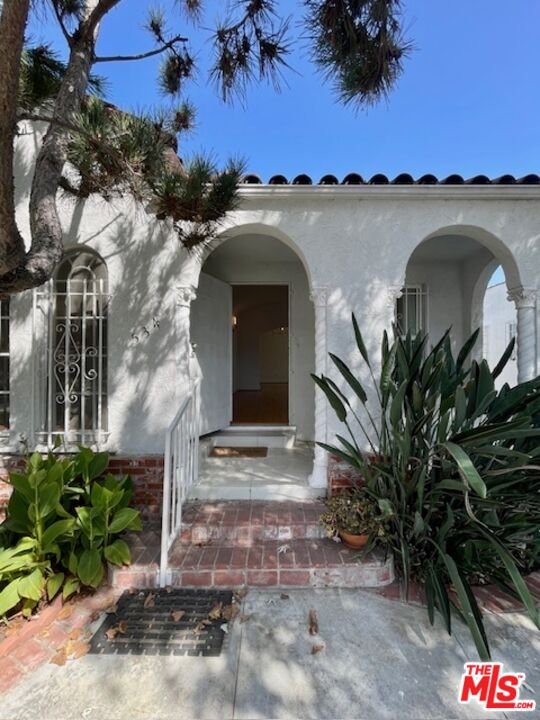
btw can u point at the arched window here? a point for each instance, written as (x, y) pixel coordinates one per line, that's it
(74, 381)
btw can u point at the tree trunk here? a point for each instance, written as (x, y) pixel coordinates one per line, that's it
(47, 245)
(13, 18)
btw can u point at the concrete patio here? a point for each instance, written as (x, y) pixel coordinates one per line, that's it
(381, 660)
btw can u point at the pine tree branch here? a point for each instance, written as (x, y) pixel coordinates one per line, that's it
(169, 45)
(61, 22)
(97, 11)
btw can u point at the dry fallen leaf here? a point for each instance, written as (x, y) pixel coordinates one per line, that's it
(75, 633)
(149, 600)
(59, 659)
(79, 649)
(111, 633)
(215, 612)
(241, 593)
(177, 615)
(284, 596)
(112, 609)
(244, 619)
(168, 589)
(65, 612)
(230, 612)
(316, 649)
(313, 622)
(199, 628)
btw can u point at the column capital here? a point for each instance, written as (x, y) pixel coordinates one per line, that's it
(523, 297)
(184, 295)
(319, 296)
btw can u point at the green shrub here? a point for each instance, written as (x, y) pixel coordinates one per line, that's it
(62, 523)
(453, 465)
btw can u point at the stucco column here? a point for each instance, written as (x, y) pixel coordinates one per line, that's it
(184, 296)
(525, 300)
(319, 476)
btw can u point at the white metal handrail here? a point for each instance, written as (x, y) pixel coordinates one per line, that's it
(180, 471)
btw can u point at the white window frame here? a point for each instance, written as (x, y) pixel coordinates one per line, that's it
(419, 292)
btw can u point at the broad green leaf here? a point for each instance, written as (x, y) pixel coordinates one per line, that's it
(466, 468)
(21, 484)
(333, 399)
(54, 583)
(339, 453)
(49, 496)
(31, 586)
(90, 568)
(518, 582)
(54, 531)
(466, 602)
(396, 407)
(352, 381)
(97, 465)
(71, 586)
(360, 341)
(126, 518)
(118, 553)
(466, 349)
(505, 357)
(9, 597)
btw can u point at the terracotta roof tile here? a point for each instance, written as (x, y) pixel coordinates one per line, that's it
(401, 179)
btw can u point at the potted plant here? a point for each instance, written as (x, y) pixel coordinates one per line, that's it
(353, 516)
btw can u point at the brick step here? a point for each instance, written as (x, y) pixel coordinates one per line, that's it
(294, 563)
(245, 523)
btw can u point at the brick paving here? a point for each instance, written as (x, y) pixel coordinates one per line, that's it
(27, 644)
(254, 543)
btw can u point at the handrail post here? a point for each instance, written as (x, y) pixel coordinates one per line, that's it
(166, 513)
(180, 472)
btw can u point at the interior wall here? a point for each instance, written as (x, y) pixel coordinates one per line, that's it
(443, 281)
(260, 310)
(234, 268)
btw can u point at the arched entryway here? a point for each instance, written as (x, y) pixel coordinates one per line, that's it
(252, 330)
(446, 280)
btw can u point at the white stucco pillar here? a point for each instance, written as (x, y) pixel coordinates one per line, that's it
(525, 300)
(319, 476)
(184, 296)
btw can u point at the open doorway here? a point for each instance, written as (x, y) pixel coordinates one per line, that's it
(260, 351)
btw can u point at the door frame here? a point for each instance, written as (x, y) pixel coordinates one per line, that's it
(288, 285)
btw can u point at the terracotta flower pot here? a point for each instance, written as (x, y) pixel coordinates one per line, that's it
(356, 542)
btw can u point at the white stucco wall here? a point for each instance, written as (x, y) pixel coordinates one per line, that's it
(499, 321)
(355, 241)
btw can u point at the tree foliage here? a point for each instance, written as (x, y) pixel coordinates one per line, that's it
(91, 147)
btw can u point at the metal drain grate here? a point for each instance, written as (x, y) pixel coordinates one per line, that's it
(153, 630)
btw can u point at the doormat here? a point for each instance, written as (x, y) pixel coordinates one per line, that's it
(239, 452)
(172, 621)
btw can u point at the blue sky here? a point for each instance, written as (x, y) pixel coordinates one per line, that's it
(468, 101)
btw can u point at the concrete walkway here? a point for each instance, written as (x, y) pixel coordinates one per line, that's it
(381, 659)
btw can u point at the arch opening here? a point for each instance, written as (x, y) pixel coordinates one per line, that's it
(459, 278)
(252, 329)
(265, 339)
